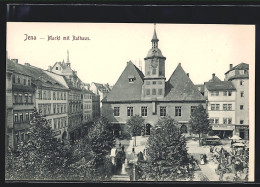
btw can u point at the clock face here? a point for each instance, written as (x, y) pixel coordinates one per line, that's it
(154, 63)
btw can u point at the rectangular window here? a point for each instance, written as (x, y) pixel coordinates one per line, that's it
(61, 96)
(58, 95)
(241, 82)
(229, 106)
(241, 107)
(216, 120)
(217, 93)
(192, 109)
(211, 120)
(18, 80)
(229, 93)
(153, 91)
(31, 115)
(162, 110)
(225, 93)
(147, 91)
(212, 106)
(229, 120)
(29, 83)
(64, 96)
(212, 93)
(27, 116)
(159, 91)
(24, 81)
(30, 98)
(154, 82)
(217, 106)
(224, 106)
(241, 121)
(61, 109)
(130, 111)
(242, 72)
(116, 111)
(55, 124)
(39, 94)
(242, 94)
(20, 98)
(65, 108)
(15, 98)
(58, 109)
(21, 117)
(178, 111)
(54, 95)
(54, 108)
(144, 110)
(224, 120)
(15, 117)
(26, 98)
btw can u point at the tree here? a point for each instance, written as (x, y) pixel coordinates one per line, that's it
(41, 157)
(135, 125)
(167, 157)
(101, 140)
(199, 121)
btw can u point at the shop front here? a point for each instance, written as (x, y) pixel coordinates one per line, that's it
(223, 131)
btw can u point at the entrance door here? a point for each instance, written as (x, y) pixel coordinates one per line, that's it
(242, 134)
(147, 129)
(64, 135)
(184, 129)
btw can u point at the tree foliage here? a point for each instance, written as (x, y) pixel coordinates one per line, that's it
(167, 157)
(41, 156)
(135, 125)
(199, 121)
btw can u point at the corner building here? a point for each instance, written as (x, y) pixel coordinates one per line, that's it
(149, 95)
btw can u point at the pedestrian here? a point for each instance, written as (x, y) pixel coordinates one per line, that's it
(211, 149)
(123, 148)
(205, 158)
(119, 144)
(202, 160)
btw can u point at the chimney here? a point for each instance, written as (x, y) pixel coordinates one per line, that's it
(213, 75)
(49, 68)
(230, 66)
(26, 64)
(188, 74)
(15, 60)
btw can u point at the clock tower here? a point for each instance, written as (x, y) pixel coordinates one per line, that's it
(154, 80)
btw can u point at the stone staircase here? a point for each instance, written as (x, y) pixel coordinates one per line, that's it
(122, 177)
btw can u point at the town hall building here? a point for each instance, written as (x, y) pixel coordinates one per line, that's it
(149, 95)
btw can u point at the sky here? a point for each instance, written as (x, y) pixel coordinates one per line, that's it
(202, 49)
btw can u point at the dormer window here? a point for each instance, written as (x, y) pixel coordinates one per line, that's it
(57, 68)
(131, 79)
(241, 72)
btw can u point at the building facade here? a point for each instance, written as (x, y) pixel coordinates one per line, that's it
(239, 76)
(221, 106)
(100, 89)
(20, 102)
(149, 95)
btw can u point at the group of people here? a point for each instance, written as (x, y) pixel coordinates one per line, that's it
(234, 161)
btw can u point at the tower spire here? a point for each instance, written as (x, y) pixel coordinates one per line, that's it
(68, 58)
(154, 39)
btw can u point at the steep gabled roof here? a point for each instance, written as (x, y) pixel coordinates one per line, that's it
(39, 77)
(124, 90)
(222, 85)
(180, 88)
